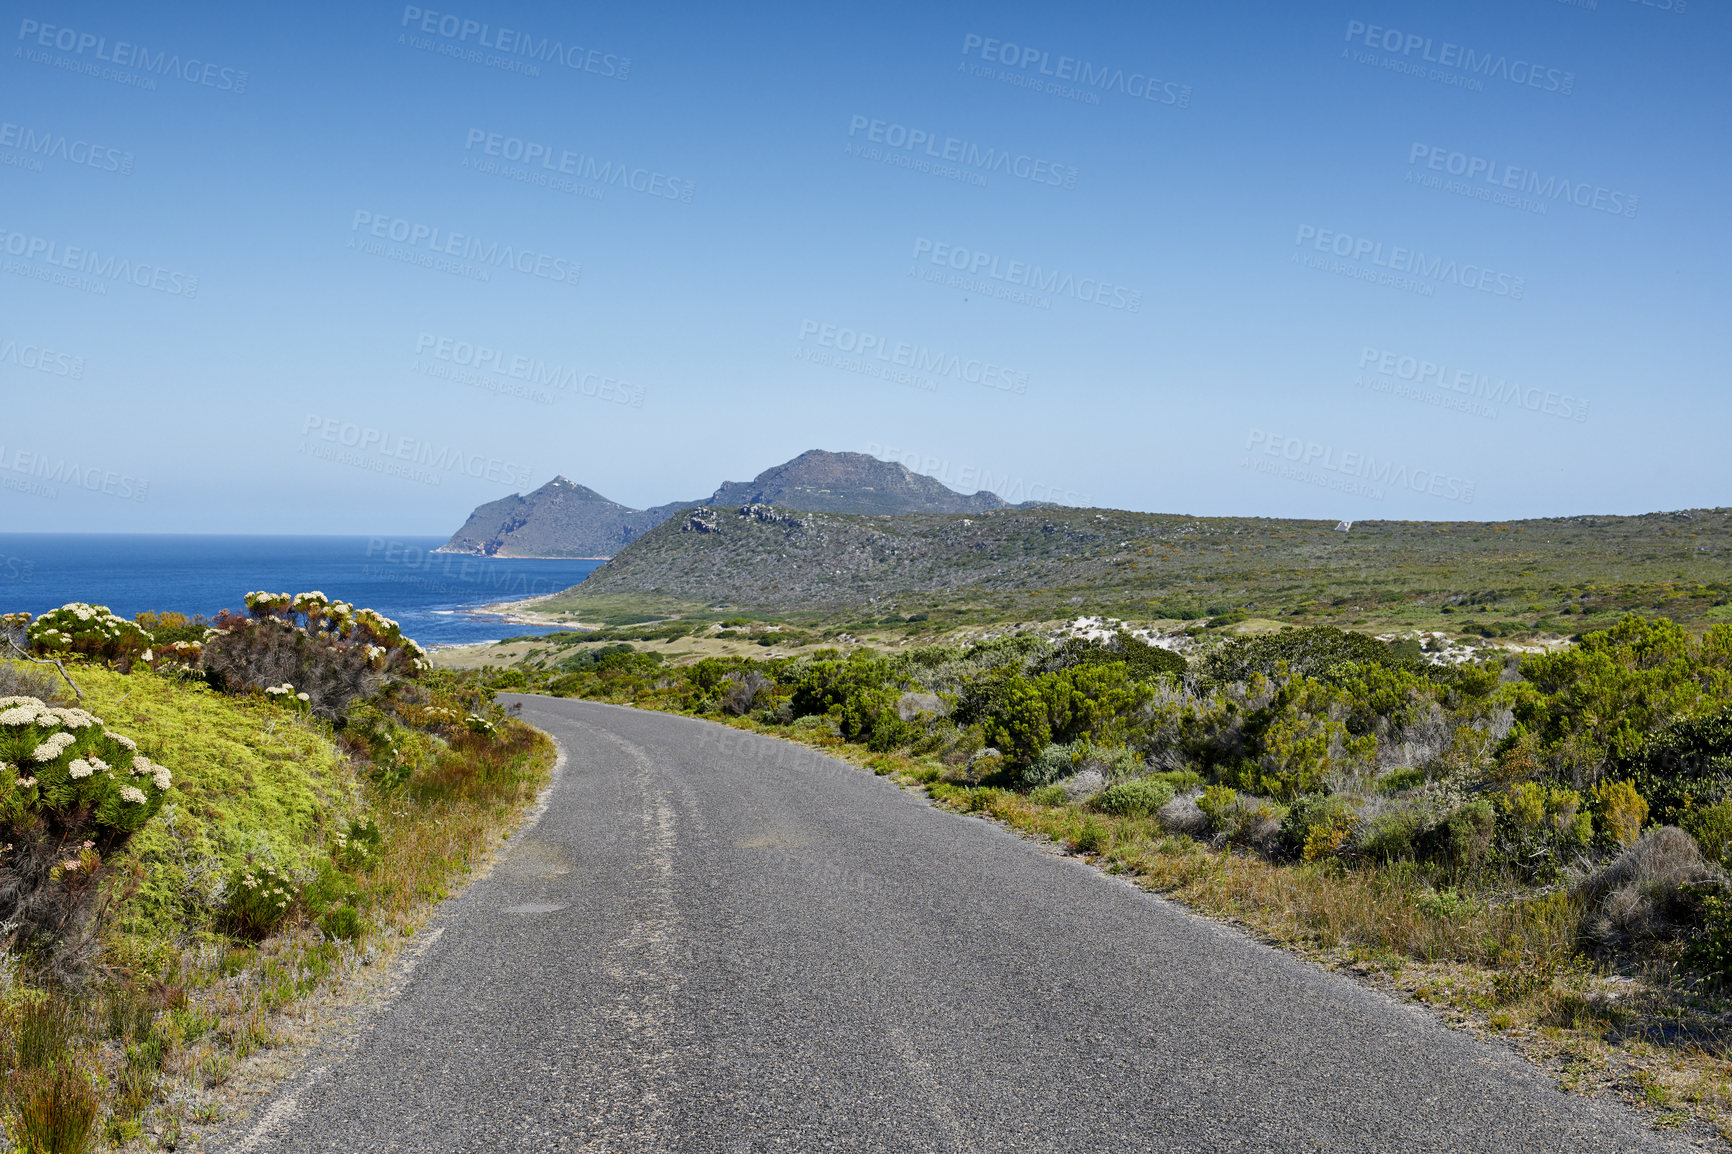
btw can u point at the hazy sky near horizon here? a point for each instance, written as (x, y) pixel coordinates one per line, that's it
(358, 268)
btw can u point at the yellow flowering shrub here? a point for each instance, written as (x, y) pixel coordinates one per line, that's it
(1621, 811)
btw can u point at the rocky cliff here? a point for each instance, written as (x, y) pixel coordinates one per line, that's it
(565, 519)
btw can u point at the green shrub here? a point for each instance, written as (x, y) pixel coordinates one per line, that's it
(258, 900)
(1048, 795)
(1607, 695)
(1470, 831)
(358, 845)
(1390, 836)
(1143, 661)
(1541, 818)
(168, 628)
(1216, 803)
(1711, 826)
(72, 793)
(824, 685)
(1404, 777)
(1022, 715)
(1710, 953)
(1091, 838)
(1137, 798)
(1125, 763)
(1181, 780)
(1052, 763)
(858, 694)
(1686, 765)
(1300, 740)
(1311, 812)
(330, 888)
(586, 659)
(1018, 726)
(1329, 838)
(883, 729)
(992, 767)
(52, 1109)
(394, 752)
(1312, 652)
(343, 922)
(1621, 811)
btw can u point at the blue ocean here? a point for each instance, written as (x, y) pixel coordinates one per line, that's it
(436, 597)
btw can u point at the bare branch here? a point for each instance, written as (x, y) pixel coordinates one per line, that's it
(22, 655)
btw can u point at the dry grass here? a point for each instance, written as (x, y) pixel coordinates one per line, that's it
(1389, 910)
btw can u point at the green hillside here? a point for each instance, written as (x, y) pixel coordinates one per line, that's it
(1553, 574)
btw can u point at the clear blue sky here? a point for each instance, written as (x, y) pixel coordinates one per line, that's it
(793, 197)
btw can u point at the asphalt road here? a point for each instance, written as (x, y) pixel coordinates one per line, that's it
(717, 942)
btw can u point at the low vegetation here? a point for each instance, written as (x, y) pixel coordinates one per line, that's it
(301, 801)
(928, 573)
(1511, 838)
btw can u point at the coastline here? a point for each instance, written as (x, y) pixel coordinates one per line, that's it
(512, 556)
(520, 613)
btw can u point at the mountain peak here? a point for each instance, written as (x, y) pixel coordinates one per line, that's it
(560, 519)
(566, 519)
(822, 481)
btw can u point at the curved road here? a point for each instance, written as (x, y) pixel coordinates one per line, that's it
(713, 941)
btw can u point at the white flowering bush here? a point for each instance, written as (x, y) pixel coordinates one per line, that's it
(72, 792)
(88, 631)
(358, 846)
(286, 694)
(63, 766)
(309, 649)
(316, 613)
(259, 897)
(174, 655)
